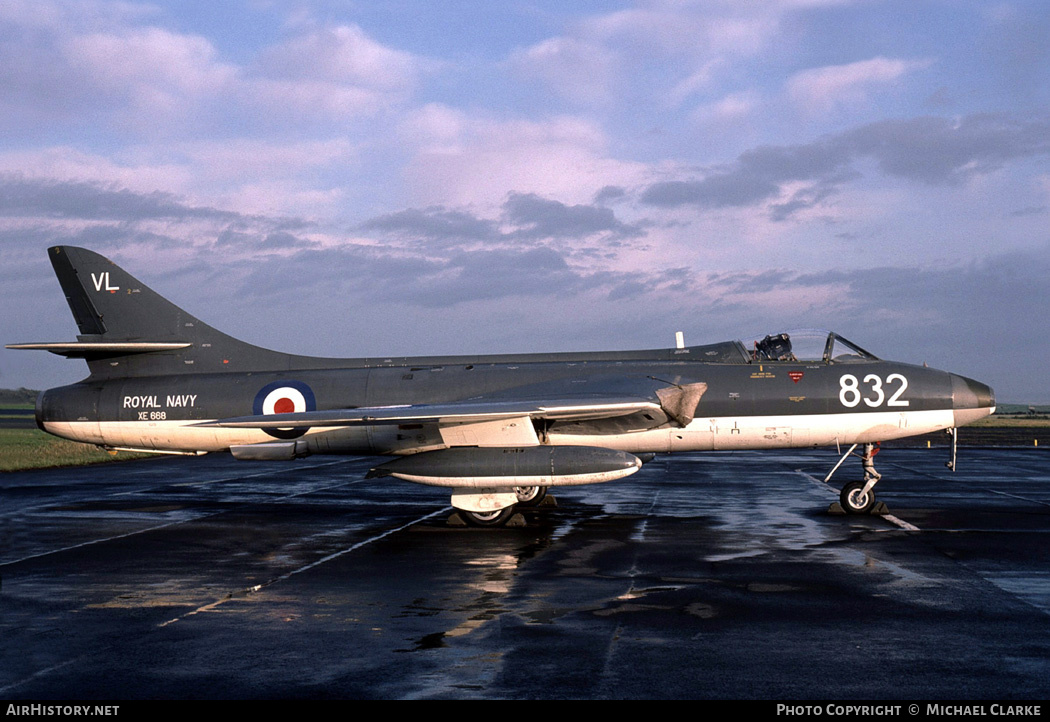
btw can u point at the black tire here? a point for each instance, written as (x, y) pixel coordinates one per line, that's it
(853, 501)
(487, 518)
(530, 495)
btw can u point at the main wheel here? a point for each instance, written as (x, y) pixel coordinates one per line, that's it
(499, 517)
(530, 495)
(854, 500)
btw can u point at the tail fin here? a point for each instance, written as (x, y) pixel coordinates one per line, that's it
(127, 329)
(109, 304)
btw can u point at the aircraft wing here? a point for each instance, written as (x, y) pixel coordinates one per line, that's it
(453, 413)
(628, 396)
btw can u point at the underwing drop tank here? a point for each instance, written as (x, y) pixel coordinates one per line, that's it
(473, 467)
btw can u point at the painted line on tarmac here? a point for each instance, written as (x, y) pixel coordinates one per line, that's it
(40, 673)
(307, 567)
(238, 477)
(183, 520)
(901, 523)
(968, 482)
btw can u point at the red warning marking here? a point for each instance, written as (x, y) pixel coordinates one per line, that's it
(796, 376)
(283, 405)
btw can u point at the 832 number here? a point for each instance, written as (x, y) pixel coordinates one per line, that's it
(851, 393)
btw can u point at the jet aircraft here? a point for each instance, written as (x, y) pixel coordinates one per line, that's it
(497, 430)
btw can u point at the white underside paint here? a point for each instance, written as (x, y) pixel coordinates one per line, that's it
(741, 432)
(771, 432)
(517, 431)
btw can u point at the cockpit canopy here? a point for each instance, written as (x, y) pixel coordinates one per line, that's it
(806, 345)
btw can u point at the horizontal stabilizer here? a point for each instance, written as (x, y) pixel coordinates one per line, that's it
(101, 349)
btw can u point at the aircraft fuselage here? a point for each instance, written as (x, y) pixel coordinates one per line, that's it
(498, 430)
(746, 405)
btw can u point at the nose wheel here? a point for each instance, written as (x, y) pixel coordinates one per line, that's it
(855, 498)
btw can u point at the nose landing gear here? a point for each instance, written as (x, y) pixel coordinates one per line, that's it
(858, 497)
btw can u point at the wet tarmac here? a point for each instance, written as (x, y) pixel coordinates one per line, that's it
(718, 575)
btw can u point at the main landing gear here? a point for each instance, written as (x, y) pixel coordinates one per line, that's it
(526, 497)
(497, 517)
(858, 497)
(530, 495)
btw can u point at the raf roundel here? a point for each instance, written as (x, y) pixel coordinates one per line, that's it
(284, 397)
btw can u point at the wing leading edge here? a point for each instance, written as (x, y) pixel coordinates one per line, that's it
(675, 401)
(452, 413)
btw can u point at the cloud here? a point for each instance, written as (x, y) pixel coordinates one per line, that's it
(78, 70)
(439, 257)
(819, 90)
(134, 171)
(672, 28)
(238, 158)
(370, 275)
(573, 68)
(160, 226)
(342, 55)
(524, 217)
(98, 66)
(326, 72)
(148, 65)
(946, 151)
(661, 50)
(434, 223)
(730, 110)
(717, 190)
(463, 160)
(930, 150)
(28, 197)
(538, 217)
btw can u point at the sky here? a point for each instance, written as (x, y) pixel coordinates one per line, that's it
(416, 178)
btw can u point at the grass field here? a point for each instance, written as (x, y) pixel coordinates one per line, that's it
(33, 449)
(1013, 422)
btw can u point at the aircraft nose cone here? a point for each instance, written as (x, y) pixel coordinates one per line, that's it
(971, 400)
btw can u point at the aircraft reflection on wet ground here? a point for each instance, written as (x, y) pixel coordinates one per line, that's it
(705, 576)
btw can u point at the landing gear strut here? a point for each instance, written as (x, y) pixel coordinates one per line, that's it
(858, 497)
